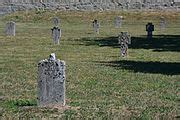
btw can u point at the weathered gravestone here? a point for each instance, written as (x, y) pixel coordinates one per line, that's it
(56, 31)
(162, 23)
(55, 21)
(51, 81)
(118, 21)
(56, 34)
(96, 26)
(124, 39)
(10, 28)
(149, 29)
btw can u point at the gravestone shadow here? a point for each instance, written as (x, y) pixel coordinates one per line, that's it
(101, 42)
(159, 43)
(165, 68)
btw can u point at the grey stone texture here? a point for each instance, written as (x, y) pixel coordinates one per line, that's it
(149, 29)
(56, 35)
(124, 39)
(7, 6)
(51, 82)
(10, 29)
(96, 26)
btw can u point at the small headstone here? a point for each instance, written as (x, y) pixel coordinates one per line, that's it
(56, 34)
(162, 23)
(11, 28)
(96, 26)
(55, 21)
(118, 21)
(51, 82)
(149, 29)
(124, 39)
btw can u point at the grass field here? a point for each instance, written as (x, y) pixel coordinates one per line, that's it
(99, 82)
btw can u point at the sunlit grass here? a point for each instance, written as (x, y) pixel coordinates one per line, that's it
(99, 82)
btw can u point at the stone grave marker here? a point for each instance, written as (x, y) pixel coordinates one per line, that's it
(10, 28)
(149, 29)
(56, 31)
(96, 26)
(51, 82)
(118, 21)
(124, 39)
(162, 23)
(56, 35)
(55, 21)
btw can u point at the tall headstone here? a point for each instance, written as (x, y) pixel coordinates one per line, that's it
(10, 28)
(96, 26)
(149, 29)
(118, 21)
(56, 31)
(162, 23)
(124, 39)
(51, 81)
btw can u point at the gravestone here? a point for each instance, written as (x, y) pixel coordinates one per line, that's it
(56, 31)
(51, 81)
(118, 21)
(96, 26)
(149, 29)
(124, 39)
(10, 28)
(162, 23)
(55, 21)
(56, 34)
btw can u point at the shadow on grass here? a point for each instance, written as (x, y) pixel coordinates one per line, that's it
(165, 68)
(159, 43)
(101, 42)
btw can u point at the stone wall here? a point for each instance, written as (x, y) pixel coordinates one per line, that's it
(83, 1)
(7, 6)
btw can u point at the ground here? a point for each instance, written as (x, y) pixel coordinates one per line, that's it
(99, 83)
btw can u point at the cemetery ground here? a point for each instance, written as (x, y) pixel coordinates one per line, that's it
(99, 82)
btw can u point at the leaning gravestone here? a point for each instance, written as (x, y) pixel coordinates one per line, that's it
(162, 23)
(124, 39)
(96, 26)
(51, 82)
(118, 21)
(149, 29)
(56, 31)
(11, 28)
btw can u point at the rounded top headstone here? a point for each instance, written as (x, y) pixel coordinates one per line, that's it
(55, 21)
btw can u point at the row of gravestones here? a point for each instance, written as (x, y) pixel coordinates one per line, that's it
(51, 71)
(56, 32)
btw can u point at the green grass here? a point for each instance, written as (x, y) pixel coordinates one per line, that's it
(99, 82)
